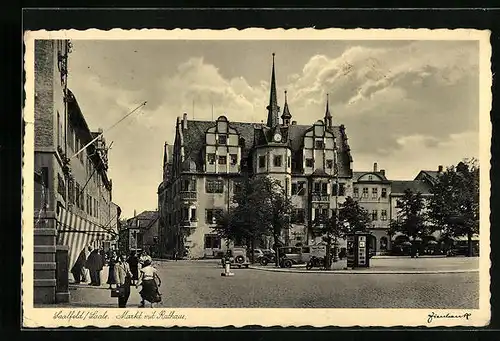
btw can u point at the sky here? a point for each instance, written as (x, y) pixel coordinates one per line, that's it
(407, 105)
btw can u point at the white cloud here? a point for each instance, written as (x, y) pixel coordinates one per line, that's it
(406, 107)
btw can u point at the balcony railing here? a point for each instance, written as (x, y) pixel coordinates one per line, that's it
(188, 195)
(320, 197)
(186, 223)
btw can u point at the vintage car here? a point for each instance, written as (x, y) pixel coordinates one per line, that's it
(293, 255)
(237, 257)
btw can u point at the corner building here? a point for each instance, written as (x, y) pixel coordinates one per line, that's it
(202, 170)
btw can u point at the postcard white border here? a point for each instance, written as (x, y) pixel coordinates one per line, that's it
(198, 317)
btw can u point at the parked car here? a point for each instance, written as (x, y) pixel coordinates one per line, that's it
(264, 256)
(236, 256)
(292, 255)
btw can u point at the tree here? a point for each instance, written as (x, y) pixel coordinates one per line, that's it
(411, 217)
(356, 217)
(351, 218)
(260, 208)
(454, 206)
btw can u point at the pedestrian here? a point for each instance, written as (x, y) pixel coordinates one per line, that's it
(113, 259)
(133, 262)
(123, 277)
(78, 267)
(175, 255)
(95, 265)
(150, 289)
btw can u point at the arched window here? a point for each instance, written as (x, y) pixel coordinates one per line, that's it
(383, 243)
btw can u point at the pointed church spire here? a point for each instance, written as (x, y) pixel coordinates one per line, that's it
(286, 113)
(328, 116)
(273, 108)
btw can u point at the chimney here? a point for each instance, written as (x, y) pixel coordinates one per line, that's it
(440, 169)
(382, 171)
(294, 123)
(184, 121)
(375, 167)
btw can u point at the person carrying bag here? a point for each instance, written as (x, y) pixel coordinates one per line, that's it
(123, 277)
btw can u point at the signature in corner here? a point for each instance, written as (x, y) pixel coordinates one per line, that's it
(433, 316)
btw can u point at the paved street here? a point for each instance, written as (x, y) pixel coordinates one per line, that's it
(198, 284)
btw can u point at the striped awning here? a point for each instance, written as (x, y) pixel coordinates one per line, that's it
(77, 233)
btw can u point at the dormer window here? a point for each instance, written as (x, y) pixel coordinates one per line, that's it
(222, 160)
(234, 159)
(309, 163)
(211, 158)
(329, 164)
(222, 139)
(319, 144)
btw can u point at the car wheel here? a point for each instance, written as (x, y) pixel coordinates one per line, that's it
(240, 259)
(264, 261)
(287, 263)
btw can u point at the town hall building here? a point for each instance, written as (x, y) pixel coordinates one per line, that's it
(202, 170)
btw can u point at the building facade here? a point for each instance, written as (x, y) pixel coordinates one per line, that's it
(73, 201)
(202, 169)
(313, 163)
(140, 233)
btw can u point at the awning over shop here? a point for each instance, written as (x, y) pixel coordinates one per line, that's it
(77, 233)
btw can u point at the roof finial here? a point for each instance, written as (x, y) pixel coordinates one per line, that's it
(273, 108)
(285, 96)
(328, 116)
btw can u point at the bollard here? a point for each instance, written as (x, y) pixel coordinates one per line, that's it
(227, 269)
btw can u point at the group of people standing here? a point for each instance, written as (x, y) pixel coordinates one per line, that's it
(93, 263)
(136, 269)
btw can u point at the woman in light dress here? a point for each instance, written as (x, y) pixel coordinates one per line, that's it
(148, 278)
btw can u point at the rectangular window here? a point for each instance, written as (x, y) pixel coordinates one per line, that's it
(317, 187)
(71, 191)
(301, 188)
(89, 204)
(374, 193)
(277, 161)
(289, 162)
(384, 192)
(329, 164)
(262, 161)
(58, 129)
(298, 216)
(319, 144)
(97, 211)
(365, 192)
(212, 241)
(193, 215)
(237, 187)
(341, 189)
(309, 162)
(214, 186)
(383, 215)
(77, 195)
(234, 159)
(222, 160)
(212, 214)
(355, 192)
(317, 214)
(294, 188)
(222, 139)
(185, 214)
(61, 185)
(374, 215)
(211, 158)
(324, 188)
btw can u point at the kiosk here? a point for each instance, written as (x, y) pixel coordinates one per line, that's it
(358, 250)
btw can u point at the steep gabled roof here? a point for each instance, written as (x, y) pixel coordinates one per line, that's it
(252, 133)
(399, 186)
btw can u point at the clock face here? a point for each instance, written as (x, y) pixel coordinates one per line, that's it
(277, 137)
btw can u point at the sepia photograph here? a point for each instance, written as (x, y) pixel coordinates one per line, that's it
(321, 174)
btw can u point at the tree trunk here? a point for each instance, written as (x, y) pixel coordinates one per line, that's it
(328, 258)
(252, 255)
(276, 249)
(469, 244)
